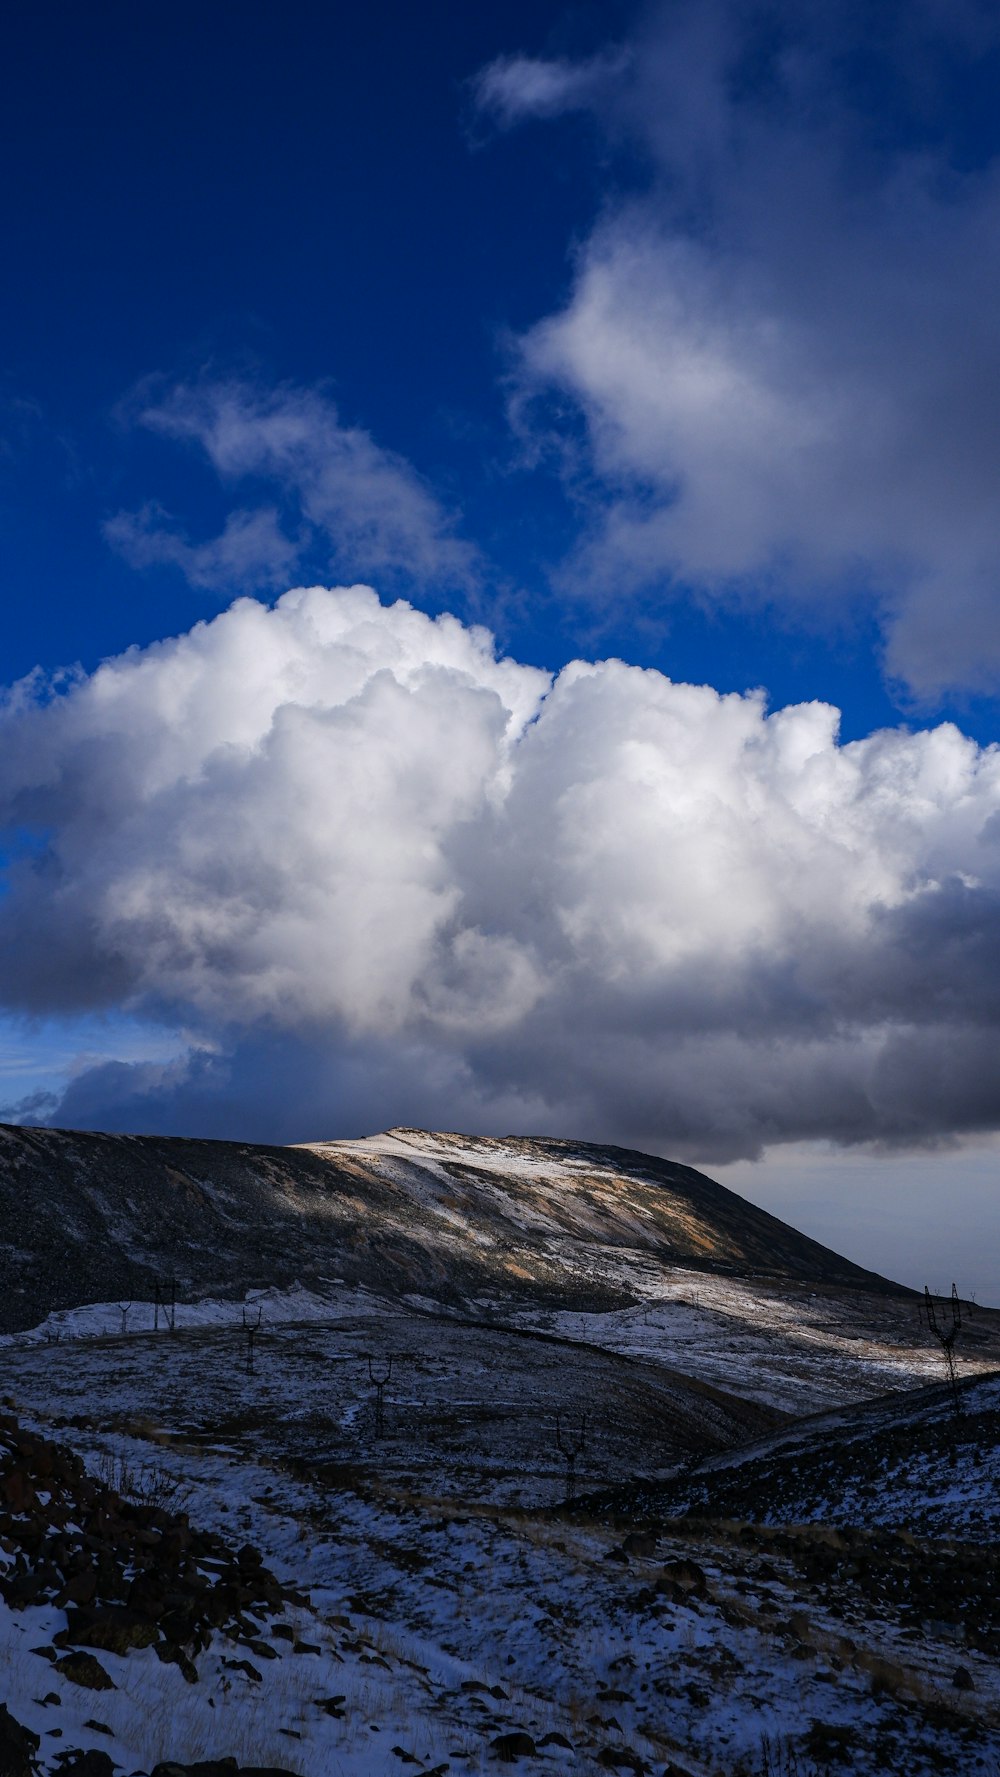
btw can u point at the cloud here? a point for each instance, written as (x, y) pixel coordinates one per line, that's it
(513, 88)
(781, 333)
(252, 551)
(380, 875)
(363, 507)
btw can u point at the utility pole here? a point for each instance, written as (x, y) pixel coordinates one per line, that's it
(380, 1384)
(251, 1327)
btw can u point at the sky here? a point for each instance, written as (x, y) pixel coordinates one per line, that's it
(499, 538)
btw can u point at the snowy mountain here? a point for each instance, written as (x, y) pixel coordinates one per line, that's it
(87, 1217)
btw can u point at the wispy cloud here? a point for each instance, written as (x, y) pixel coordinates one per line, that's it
(513, 88)
(252, 551)
(361, 509)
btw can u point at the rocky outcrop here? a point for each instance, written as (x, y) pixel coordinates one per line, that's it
(126, 1575)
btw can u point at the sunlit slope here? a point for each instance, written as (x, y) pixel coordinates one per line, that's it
(531, 1191)
(86, 1217)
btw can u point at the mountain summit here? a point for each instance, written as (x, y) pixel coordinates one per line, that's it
(454, 1218)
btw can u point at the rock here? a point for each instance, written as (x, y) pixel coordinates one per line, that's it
(962, 1679)
(622, 1758)
(85, 1764)
(555, 1739)
(83, 1669)
(641, 1543)
(262, 1649)
(510, 1747)
(117, 1631)
(18, 1746)
(243, 1666)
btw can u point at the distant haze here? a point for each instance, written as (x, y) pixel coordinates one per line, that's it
(918, 1218)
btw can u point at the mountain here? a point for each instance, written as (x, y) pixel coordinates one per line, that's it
(452, 1218)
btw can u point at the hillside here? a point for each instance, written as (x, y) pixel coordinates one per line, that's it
(913, 1462)
(455, 1219)
(479, 1491)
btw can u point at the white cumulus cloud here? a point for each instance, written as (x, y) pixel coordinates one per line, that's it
(380, 874)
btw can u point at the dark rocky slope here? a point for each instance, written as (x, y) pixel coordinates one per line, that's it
(923, 1463)
(87, 1217)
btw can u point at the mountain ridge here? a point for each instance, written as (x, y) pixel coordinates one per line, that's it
(86, 1216)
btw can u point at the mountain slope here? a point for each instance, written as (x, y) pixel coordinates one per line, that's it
(86, 1217)
(922, 1462)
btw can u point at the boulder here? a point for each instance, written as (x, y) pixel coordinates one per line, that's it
(18, 1746)
(508, 1748)
(641, 1543)
(83, 1669)
(91, 1763)
(85, 1764)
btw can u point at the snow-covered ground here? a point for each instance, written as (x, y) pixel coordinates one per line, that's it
(443, 1597)
(465, 1407)
(277, 1307)
(784, 1345)
(443, 1617)
(440, 1632)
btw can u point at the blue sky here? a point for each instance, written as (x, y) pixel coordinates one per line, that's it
(318, 200)
(664, 332)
